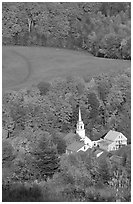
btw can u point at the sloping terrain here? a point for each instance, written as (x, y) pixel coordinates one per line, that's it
(24, 66)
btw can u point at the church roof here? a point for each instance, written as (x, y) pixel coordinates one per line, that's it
(75, 146)
(111, 135)
(69, 135)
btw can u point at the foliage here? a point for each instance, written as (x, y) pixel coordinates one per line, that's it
(59, 142)
(21, 193)
(79, 25)
(8, 153)
(46, 159)
(24, 170)
(105, 105)
(33, 117)
(39, 118)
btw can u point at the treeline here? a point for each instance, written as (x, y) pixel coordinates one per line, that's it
(103, 29)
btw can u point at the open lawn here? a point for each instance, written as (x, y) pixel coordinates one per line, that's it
(24, 66)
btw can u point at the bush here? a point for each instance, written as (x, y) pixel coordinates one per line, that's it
(43, 87)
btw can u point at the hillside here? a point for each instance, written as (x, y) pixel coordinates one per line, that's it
(23, 66)
(59, 58)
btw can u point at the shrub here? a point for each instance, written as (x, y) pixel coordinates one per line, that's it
(43, 87)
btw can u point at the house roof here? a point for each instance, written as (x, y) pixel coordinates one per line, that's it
(111, 135)
(75, 146)
(103, 135)
(104, 143)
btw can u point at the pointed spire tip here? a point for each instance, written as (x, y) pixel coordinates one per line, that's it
(80, 115)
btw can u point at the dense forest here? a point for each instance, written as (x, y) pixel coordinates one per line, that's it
(103, 29)
(35, 120)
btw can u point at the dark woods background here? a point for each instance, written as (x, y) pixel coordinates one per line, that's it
(102, 29)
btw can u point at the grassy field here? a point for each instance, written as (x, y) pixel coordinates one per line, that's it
(24, 66)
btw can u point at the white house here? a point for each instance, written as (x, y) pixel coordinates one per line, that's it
(112, 141)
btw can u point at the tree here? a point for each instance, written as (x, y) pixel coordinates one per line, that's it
(8, 153)
(126, 48)
(61, 109)
(94, 103)
(115, 98)
(10, 19)
(60, 142)
(110, 8)
(104, 171)
(46, 158)
(111, 43)
(103, 84)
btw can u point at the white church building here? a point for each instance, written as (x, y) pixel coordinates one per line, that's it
(112, 140)
(81, 132)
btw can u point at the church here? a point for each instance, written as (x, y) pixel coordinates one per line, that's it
(81, 132)
(113, 140)
(84, 142)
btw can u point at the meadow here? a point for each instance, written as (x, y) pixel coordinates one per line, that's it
(24, 66)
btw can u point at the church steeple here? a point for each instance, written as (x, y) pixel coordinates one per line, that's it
(80, 126)
(79, 115)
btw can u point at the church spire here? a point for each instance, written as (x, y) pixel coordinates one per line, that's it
(80, 115)
(80, 126)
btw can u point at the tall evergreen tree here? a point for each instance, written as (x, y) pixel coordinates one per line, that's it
(46, 158)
